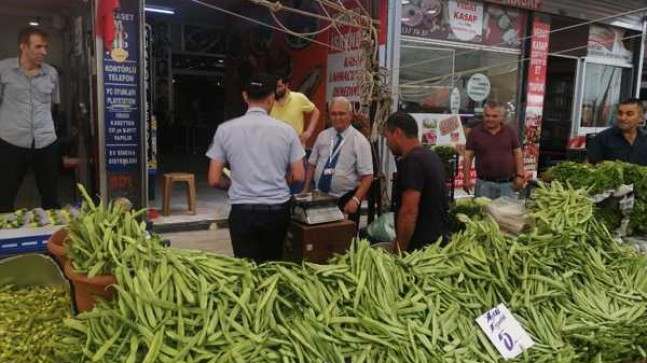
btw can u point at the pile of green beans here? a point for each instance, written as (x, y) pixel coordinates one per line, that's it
(605, 176)
(104, 236)
(580, 295)
(31, 323)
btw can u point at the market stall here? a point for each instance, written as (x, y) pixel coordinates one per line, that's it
(27, 231)
(575, 293)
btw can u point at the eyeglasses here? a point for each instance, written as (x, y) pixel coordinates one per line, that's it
(335, 114)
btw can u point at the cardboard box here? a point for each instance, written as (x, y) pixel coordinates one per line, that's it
(318, 243)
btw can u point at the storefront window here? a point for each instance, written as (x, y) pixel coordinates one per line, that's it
(455, 55)
(429, 73)
(604, 87)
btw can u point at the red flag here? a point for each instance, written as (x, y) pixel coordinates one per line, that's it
(106, 21)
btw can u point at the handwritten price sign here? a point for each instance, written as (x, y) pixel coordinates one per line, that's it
(505, 332)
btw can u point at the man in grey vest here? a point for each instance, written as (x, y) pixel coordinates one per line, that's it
(28, 89)
(264, 156)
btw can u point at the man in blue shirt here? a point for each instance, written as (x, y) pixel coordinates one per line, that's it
(28, 89)
(625, 141)
(264, 156)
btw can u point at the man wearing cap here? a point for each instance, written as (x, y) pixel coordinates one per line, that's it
(341, 162)
(259, 151)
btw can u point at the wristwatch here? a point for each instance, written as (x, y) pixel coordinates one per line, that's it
(359, 202)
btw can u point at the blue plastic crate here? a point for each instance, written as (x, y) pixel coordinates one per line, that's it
(27, 244)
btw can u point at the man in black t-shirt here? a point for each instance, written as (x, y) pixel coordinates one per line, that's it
(419, 195)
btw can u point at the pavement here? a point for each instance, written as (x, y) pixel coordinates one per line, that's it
(214, 239)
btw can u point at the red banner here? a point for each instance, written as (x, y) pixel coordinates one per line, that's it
(535, 94)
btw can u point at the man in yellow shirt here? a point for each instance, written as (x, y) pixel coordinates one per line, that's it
(293, 107)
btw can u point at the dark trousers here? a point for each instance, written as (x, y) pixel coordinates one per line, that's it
(342, 203)
(14, 163)
(258, 232)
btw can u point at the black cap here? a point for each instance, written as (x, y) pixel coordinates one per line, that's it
(260, 86)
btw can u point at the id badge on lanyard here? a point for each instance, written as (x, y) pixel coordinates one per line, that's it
(330, 169)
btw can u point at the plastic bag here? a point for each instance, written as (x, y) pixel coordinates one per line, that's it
(639, 243)
(615, 207)
(383, 228)
(509, 213)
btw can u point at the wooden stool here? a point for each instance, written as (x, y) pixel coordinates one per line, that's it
(171, 178)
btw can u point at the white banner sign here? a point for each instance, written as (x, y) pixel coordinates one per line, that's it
(343, 72)
(466, 19)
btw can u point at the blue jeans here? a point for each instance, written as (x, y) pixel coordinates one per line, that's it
(493, 190)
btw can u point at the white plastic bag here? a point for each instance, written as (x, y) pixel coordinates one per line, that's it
(509, 213)
(383, 228)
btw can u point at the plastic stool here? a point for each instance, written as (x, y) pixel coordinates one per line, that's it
(171, 178)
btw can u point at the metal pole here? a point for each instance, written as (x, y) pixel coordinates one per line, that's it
(393, 60)
(100, 113)
(143, 141)
(641, 59)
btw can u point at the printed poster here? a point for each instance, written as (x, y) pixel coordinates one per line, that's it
(535, 95)
(122, 107)
(444, 130)
(464, 21)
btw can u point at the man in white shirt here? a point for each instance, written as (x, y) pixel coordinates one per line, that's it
(341, 162)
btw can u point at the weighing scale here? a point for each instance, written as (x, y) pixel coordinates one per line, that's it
(315, 208)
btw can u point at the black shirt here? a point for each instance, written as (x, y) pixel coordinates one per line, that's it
(610, 144)
(422, 170)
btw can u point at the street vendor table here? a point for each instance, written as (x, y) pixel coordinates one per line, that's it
(24, 240)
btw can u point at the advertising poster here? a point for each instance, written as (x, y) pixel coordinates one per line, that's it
(444, 130)
(122, 111)
(463, 21)
(609, 43)
(466, 19)
(535, 95)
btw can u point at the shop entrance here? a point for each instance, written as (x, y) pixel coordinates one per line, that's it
(558, 109)
(70, 39)
(187, 55)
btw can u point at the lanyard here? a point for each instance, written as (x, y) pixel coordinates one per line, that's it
(334, 153)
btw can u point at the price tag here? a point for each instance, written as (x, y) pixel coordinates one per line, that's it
(505, 332)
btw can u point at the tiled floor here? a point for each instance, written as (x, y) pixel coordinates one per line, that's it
(212, 203)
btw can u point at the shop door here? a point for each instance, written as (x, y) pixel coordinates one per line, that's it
(561, 81)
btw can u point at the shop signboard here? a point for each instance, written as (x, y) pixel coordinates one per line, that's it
(345, 63)
(535, 94)
(464, 21)
(122, 106)
(535, 5)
